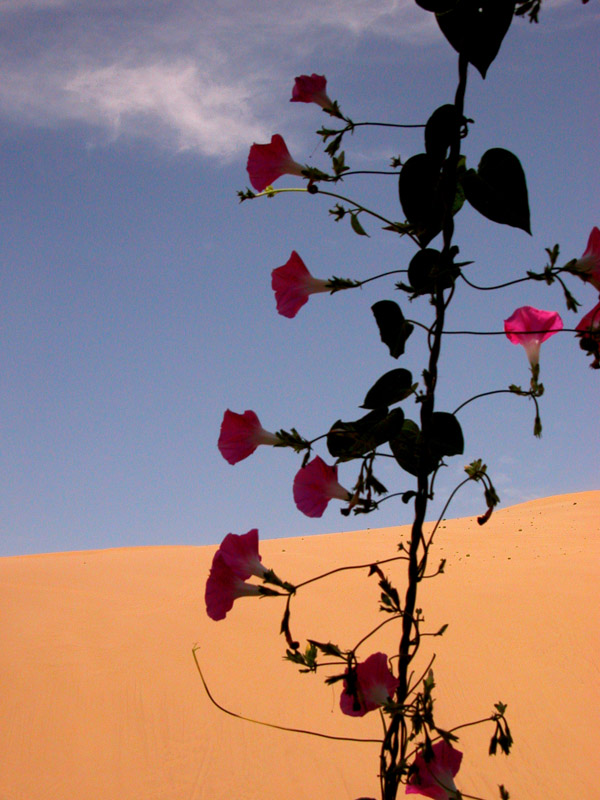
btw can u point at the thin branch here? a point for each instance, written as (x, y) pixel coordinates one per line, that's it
(270, 724)
(342, 569)
(385, 125)
(491, 288)
(483, 394)
(381, 624)
(368, 172)
(410, 689)
(444, 509)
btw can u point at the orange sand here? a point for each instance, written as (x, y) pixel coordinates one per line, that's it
(101, 699)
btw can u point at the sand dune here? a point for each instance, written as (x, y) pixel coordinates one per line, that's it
(101, 699)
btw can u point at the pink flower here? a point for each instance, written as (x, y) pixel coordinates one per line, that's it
(267, 162)
(292, 284)
(591, 321)
(240, 553)
(589, 262)
(315, 485)
(435, 778)
(311, 89)
(530, 327)
(589, 327)
(223, 587)
(241, 434)
(373, 685)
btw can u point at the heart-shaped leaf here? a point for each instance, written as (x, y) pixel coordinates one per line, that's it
(429, 271)
(437, 5)
(347, 440)
(440, 131)
(408, 450)
(498, 189)
(475, 28)
(446, 435)
(421, 196)
(393, 328)
(391, 388)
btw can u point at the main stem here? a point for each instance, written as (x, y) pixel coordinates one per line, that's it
(394, 746)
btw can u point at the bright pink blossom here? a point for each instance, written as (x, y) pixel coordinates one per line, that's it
(435, 778)
(373, 684)
(240, 553)
(267, 162)
(223, 587)
(530, 327)
(315, 485)
(292, 284)
(241, 434)
(311, 89)
(591, 321)
(589, 263)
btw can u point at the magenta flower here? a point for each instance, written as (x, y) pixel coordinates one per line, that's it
(292, 284)
(589, 263)
(241, 434)
(530, 327)
(315, 485)
(223, 587)
(311, 89)
(589, 334)
(267, 162)
(591, 321)
(435, 778)
(240, 553)
(373, 686)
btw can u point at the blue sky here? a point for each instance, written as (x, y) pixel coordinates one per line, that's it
(136, 303)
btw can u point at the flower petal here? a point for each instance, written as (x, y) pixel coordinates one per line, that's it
(267, 162)
(371, 686)
(292, 284)
(311, 89)
(530, 327)
(223, 587)
(241, 434)
(240, 553)
(315, 485)
(435, 778)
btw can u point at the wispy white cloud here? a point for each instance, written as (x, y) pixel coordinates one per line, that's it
(172, 102)
(188, 75)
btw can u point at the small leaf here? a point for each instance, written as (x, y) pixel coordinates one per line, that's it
(393, 328)
(328, 649)
(498, 189)
(356, 226)
(391, 388)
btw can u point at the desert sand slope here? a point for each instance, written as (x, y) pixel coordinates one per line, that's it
(101, 699)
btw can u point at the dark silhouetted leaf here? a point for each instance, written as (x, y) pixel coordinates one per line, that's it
(408, 450)
(475, 28)
(421, 196)
(437, 5)
(498, 189)
(446, 434)
(351, 439)
(440, 131)
(391, 388)
(393, 328)
(356, 226)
